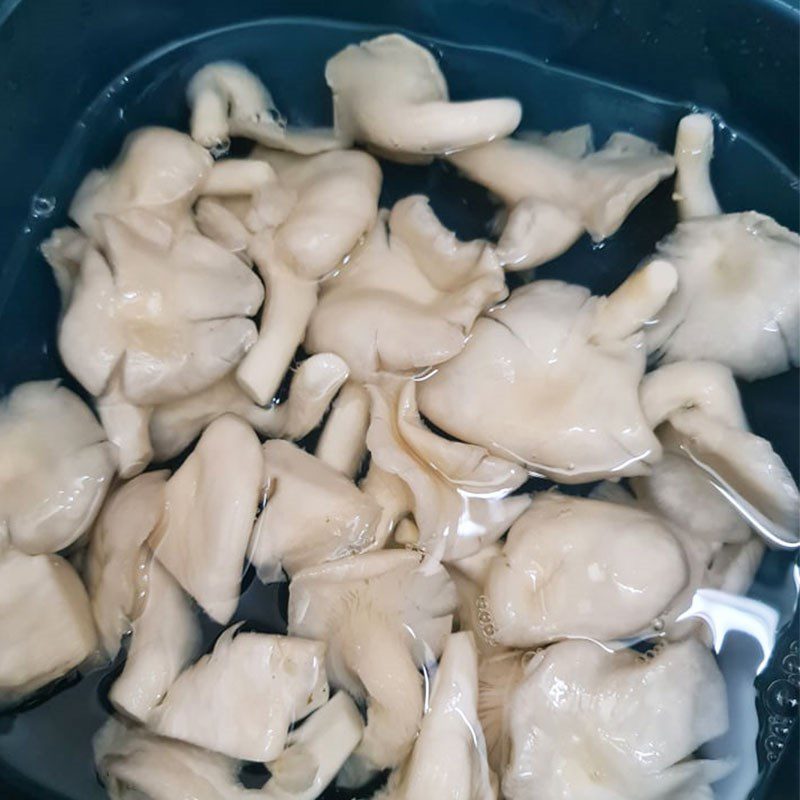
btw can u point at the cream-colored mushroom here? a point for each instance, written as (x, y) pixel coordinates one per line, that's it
(449, 757)
(389, 93)
(408, 296)
(165, 640)
(557, 186)
(158, 170)
(241, 699)
(55, 467)
(334, 203)
(738, 297)
(46, 626)
(228, 100)
(459, 494)
(550, 379)
(696, 408)
(313, 514)
(211, 502)
(589, 723)
(383, 615)
(343, 441)
(171, 310)
(392, 495)
(64, 250)
(173, 426)
(573, 567)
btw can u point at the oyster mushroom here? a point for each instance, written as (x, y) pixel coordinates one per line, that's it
(334, 203)
(211, 502)
(559, 375)
(694, 406)
(557, 186)
(170, 310)
(389, 93)
(55, 469)
(589, 723)
(383, 615)
(173, 426)
(410, 293)
(343, 441)
(158, 170)
(313, 514)
(241, 698)
(573, 567)
(226, 100)
(46, 626)
(738, 297)
(449, 757)
(458, 492)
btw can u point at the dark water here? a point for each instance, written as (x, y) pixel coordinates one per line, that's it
(46, 749)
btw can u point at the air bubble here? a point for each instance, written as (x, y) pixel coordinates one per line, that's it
(42, 207)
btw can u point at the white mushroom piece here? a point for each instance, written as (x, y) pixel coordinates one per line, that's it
(408, 297)
(131, 592)
(134, 762)
(458, 493)
(333, 201)
(384, 616)
(448, 761)
(313, 514)
(589, 723)
(175, 425)
(241, 699)
(738, 297)
(573, 567)
(550, 379)
(696, 411)
(55, 467)
(227, 99)
(390, 94)
(557, 187)
(46, 626)
(343, 441)
(211, 503)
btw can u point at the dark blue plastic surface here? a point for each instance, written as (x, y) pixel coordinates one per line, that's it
(736, 57)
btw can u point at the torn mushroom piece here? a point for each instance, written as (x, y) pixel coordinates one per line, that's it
(46, 626)
(557, 186)
(226, 100)
(211, 502)
(589, 723)
(55, 467)
(695, 408)
(459, 494)
(448, 761)
(173, 426)
(313, 514)
(550, 379)
(158, 170)
(390, 94)
(408, 296)
(241, 699)
(334, 202)
(343, 441)
(573, 567)
(384, 616)
(738, 297)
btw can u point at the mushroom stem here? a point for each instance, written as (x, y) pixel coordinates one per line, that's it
(636, 301)
(694, 149)
(237, 176)
(287, 309)
(343, 442)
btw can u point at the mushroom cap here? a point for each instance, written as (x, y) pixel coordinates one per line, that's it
(590, 723)
(46, 626)
(573, 567)
(241, 699)
(55, 469)
(408, 297)
(738, 298)
(538, 384)
(389, 92)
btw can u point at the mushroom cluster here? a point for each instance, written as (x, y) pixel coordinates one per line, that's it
(292, 383)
